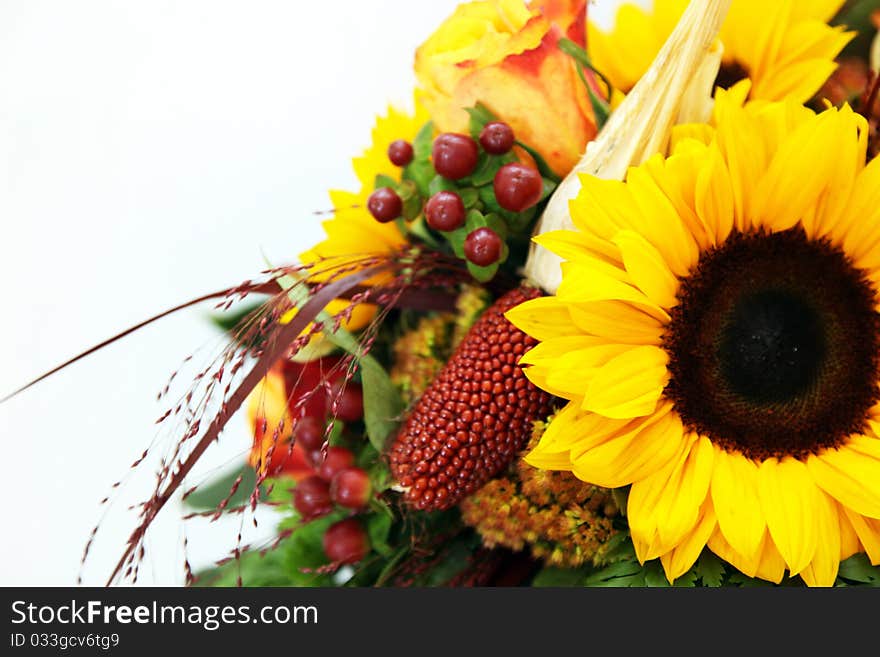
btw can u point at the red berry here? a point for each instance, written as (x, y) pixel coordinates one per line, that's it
(455, 156)
(445, 211)
(346, 541)
(385, 205)
(349, 398)
(400, 152)
(517, 187)
(308, 431)
(337, 458)
(311, 498)
(482, 246)
(351, 488)
(497, 138)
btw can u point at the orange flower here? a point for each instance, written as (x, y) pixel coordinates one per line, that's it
(505, 54)
(289, 392)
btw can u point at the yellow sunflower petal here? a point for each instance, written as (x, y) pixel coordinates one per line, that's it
(576, 245)
(543, 318)
(849, 539)
(798, 173)
(628, 385)
(868, 531)
(713, 199)
(789, 499)
(851, 474)
(582, 284)
(822, 570)
(634, 455)
(647, 268)
(617, 321)
(575, 428)
(680, 559)
(664, 508)
(736, 501)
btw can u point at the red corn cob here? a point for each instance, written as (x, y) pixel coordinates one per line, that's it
(474, 418)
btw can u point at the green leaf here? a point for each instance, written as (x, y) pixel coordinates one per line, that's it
(208, 496)
(456, 240)
(601, 107)
(622, 573)
(231, 320)
(423, 142)
(710, 569)
(543, 168)
(497, 224)
(421, 174)
(480, 115)
(550, 576)
(440, 184)
(412, 200)
(744, 581)
(475, 219)
(858, 569)
(469, 197)
(487, 167)
(686, 581)
(384, 181)
(483, 274)
(378, 528)
(382, 402)
(383, 405)
(856, 15)
(654, 575)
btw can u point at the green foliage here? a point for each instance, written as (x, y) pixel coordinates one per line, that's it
(601, 108)
(858, 571)
(208, 496)
(856, 16)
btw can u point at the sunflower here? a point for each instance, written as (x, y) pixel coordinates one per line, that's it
(353, 235)
(352, 232)
(784, 47)
(717, 335)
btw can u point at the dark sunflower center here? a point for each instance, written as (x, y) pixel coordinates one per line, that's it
(774, 346)
(730, 74)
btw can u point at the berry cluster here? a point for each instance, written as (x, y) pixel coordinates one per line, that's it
(316, 391)
(471, 191)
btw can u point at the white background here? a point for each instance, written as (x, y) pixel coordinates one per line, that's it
(152, 151)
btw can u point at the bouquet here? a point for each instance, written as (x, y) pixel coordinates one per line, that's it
(602, 312)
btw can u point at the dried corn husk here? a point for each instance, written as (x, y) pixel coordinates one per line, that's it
(677, 88)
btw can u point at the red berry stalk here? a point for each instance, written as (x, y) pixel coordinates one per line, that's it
(474, 418)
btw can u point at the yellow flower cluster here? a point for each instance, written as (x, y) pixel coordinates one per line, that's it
(560, 519)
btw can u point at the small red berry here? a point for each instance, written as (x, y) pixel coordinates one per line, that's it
(349, 398)
(351, 488)
(311, 498)
(445, 211)
(497, 138)
(517, 187)
(454, 155)
(346, 541)
(400, 152)
(482, 246)
(337, 458)
(308, 431)
(385, 205)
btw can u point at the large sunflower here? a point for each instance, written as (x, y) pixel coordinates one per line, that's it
(785, 47)
(717, 336)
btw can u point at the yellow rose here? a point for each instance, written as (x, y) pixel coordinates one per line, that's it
(505, 54)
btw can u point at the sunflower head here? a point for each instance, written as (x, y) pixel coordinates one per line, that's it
(717, 336)
(784, 47)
